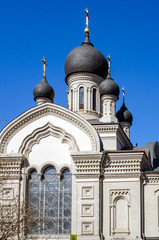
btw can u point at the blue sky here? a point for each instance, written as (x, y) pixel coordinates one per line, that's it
(128, 30)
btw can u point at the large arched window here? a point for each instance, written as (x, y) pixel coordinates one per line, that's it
(51, 197)
(94, 99)
(81, 98)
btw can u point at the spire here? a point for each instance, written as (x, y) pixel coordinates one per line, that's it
(123, 89)
(45, 64)
(109, 59)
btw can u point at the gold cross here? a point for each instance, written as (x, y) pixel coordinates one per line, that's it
(45, 64)
(123, 89)
(109, 63)
(87, 18)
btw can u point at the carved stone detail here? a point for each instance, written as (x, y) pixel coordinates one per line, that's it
(42, 132)
(87, 163)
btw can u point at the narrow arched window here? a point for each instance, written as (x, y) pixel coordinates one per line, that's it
(32, 212)
(71, 99)
(94, 99)
(50, 199)
(65, 201)
(81, 98)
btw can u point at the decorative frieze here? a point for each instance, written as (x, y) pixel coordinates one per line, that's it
(10, 166)
(87, 163)
(126, 162)
(152, 179)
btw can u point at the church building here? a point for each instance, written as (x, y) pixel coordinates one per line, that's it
(76, 166)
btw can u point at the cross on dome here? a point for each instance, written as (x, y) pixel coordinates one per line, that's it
(45, 64)
(87, 30)
(109, 59)
(123, 90)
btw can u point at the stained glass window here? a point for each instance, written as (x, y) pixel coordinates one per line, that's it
(51, 198)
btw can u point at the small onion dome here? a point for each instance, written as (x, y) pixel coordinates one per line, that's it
(43, 89)
(108, 86)
(124, 115)
(86, 58)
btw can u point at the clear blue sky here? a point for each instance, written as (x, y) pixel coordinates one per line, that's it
(127, 29)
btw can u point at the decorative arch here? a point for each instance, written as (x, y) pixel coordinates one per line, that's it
(43, 110)
(47, 130)
(119, 209)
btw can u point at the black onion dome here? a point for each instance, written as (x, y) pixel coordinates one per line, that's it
(108, 86)
(124, 115)
(43, 89)
(86, 58)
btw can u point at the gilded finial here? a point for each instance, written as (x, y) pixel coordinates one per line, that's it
(68, 97)
(123, 89)
(109, 59)
(87, 30)
(45, 64)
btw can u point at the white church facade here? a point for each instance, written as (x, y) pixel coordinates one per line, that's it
(77, 165)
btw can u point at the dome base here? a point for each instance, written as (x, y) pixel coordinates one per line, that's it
(41, 100)
(108, 119)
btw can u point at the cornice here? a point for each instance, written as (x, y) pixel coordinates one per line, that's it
(114, 127)
(43, 110)
(87, 163)
(152, 178)
(126, 162)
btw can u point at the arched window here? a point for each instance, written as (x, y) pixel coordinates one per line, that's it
(65, 202)
(94, 99)
(71, 100)
(51, 197)
(81, 98)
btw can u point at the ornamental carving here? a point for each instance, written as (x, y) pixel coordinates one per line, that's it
(47, 130)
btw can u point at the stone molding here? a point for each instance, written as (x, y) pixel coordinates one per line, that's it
(43, 110)
(10, 166)
(87, 164)
(104, 128)
(152, 179)
(47, 130)
(128, 162)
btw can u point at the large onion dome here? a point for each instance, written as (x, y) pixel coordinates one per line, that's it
(124, 115)
(109, 86)
(86, 58)
(43, 89)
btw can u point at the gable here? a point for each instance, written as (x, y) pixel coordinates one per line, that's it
(48, 120)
